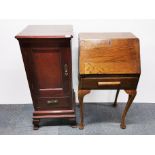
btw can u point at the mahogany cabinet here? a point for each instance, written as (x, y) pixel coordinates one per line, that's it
(46, 52)
(108, 61)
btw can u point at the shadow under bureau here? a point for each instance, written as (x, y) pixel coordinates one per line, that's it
(46, 52)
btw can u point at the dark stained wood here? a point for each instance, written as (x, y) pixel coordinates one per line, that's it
(48, 72)
(54, 103)
(46, 31)
(108, 61)
(36, 122)
(46, 52)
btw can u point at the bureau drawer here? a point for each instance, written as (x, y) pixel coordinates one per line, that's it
(51, 103)
(109, 83)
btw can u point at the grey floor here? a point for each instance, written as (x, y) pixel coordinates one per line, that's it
(100, 119)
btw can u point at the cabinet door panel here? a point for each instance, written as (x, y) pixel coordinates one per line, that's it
(48, 71)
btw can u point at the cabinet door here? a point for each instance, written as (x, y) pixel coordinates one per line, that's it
(50, 71)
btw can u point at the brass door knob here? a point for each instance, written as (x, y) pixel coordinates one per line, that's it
(66, 69)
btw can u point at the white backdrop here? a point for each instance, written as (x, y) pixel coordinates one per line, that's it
(13, 83)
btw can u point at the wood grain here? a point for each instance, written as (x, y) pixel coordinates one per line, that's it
(108, 61)
(46, 31)
(46, 50)
(112, 56)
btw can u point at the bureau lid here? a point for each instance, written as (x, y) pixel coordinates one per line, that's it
(46, 31)
(109, 53)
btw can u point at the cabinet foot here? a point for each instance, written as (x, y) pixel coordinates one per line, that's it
(35, 127)
(36, 124)
(73, 123)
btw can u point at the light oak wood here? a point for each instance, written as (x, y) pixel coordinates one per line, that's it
(106, 35)
(132, 94)
(108, 61)
(81, 94)
(104, 53)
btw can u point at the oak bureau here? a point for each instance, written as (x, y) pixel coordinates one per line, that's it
(46, 52)
(108, 61)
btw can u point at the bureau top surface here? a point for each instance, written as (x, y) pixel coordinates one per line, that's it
(46, 31)
(106, 35)
(109, 53)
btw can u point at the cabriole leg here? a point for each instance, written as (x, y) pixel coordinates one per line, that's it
(81, 94)
(116, 97)
(132, 94)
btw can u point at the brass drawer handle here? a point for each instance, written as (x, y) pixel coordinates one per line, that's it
(52, 101)
(109, 83)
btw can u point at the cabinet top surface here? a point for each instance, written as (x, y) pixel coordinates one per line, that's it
(46, 31)
(106, 35)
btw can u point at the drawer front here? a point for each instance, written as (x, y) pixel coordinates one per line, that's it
(54, 103)
(109, 83)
